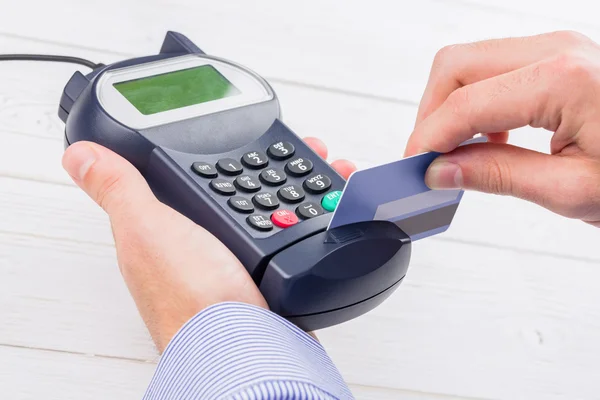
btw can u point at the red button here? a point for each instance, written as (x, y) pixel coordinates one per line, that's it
(284, 218)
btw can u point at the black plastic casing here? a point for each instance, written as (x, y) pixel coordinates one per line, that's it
(315, 278)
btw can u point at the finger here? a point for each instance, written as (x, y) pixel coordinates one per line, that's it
(461, 65)
(569, 186)
(344, 167)
(317, 146)
(110, 180)
(503, 103)
(497, 137)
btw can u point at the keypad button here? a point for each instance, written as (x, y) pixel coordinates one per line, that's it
(331, 200)
(309, 210)
(204, 169)
(318, 183)
(229, 166)
(273, 176)
(291, 193)
(255, 159)
(260, 222)
(267, 201)
(247, 183)
(281, 150)
(223, 187)
(299, 166)
(284, 218)
(241, 204)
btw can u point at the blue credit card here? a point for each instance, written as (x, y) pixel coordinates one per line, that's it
(397, 192)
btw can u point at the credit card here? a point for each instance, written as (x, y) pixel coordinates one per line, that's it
(397, 192)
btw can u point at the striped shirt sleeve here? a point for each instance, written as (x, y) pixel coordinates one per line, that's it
(239, 351)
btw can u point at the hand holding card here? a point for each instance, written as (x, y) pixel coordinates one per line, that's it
(397, 192)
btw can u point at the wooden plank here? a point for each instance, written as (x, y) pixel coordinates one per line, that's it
(66, 299)
(509, 311)
(580, 12)
(385, 49)
(373, 393)
(465, 325)
(68, 376)
(27, 374)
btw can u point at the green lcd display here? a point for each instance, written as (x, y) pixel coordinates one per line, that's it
(176, 89)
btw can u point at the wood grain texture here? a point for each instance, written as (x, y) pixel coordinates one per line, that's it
(384, 49)
(502, 321)
(503, 306)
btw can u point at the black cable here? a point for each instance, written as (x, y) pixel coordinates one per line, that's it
(49, 57)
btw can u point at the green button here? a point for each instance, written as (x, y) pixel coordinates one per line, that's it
(331, 200)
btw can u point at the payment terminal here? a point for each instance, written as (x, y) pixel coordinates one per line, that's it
(207, 135)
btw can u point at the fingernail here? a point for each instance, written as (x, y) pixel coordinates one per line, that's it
(78, 160)
(444, 175)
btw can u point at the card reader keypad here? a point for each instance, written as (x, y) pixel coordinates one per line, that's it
(317, 183)
(281, 150)
(229, 166)
(273, 177)
(266, 201)
(241, 204)
(275, 187)
(205, 169)
(247, 183)
(255, 160)
(291, 193)
(223, 187)
(299, 166)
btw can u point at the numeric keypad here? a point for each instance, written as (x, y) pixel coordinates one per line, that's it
(266, 178)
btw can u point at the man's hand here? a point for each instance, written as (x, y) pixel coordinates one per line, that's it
(550, 81)
(173, 267)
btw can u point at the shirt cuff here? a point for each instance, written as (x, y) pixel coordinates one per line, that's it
(240, 351)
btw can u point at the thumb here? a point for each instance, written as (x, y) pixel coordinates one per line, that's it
(109, 179)
(568, 186)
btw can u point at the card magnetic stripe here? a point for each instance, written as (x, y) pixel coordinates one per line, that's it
(378, 194)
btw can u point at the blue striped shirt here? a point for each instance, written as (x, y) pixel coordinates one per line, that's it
(239, 351)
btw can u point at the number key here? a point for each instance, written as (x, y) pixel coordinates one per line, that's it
(299, 166)
(267, 201)
(229, 166)
(255, 160)
(291, 193)
(309, 210)
(273, 177)
(318, 183)
(281, 150)
(247, 183)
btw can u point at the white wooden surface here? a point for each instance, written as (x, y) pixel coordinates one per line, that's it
(503, 306)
